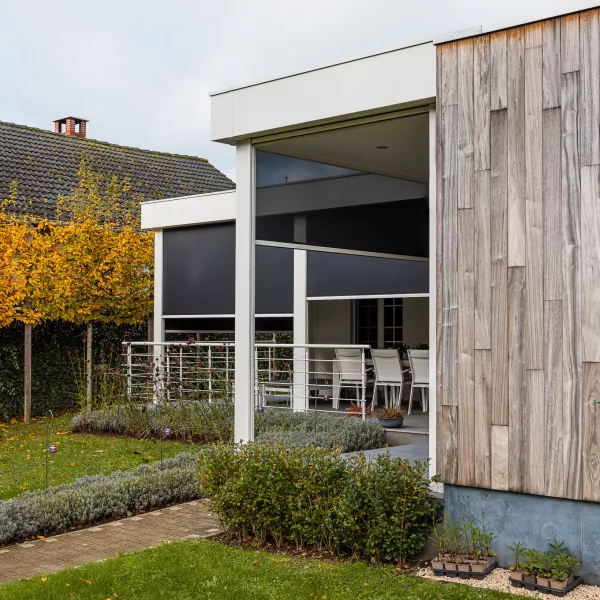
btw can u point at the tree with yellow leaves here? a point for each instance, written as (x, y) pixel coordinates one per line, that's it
(91, 264)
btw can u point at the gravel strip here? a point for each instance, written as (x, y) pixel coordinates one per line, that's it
(498, 580)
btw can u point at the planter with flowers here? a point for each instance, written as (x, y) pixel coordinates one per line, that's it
(391, 417)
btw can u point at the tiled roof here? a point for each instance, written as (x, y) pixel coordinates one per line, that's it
(45, 165)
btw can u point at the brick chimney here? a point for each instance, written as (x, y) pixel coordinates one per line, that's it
(71, 126)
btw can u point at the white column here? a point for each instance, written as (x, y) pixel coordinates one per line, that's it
(244, 294)
(432, 301)
(159, 323)
(300, 393)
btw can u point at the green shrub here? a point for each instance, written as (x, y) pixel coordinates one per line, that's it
(199, 421)
(315, 497)
(317, 429)
(97, 498)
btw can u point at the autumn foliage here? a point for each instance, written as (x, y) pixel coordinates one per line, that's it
(90, 263)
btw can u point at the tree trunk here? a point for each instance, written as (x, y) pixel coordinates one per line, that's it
(88, 356)
(27, 376)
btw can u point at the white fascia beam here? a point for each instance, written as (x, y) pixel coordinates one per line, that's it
(189, 210)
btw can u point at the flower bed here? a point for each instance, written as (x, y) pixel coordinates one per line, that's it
(97, 498)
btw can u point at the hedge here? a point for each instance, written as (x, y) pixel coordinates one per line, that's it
(97, 498)
(56, 346)
(314, 497)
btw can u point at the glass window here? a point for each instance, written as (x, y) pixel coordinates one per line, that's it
(379, 322)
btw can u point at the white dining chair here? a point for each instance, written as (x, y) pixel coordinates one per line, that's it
(349, 373)
(389, 375)
(419, 366)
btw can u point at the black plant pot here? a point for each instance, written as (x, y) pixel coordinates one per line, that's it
(397, 422)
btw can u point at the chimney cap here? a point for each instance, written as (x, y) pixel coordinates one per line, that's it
(76, 119)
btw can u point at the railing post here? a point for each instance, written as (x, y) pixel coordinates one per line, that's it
(364, 383)
(129, 371)
(210, 373)
(180, 371)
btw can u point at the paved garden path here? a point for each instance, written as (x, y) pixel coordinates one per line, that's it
(184, 521)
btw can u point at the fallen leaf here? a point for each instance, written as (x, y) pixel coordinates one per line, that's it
(44, 579)
(87, 581)
(71, 464)
(100, 451)
(40, 537)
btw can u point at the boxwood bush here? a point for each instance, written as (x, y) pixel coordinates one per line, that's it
(318, 429)
(314, 497)
(92, 499)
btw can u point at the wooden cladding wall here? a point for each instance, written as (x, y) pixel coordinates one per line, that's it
(518, 225)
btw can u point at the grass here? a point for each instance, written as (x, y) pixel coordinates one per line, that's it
(23, 454)
(207, 569)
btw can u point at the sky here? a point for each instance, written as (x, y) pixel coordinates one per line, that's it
(141, 70)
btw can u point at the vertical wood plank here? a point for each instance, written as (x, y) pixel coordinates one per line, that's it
(439, 246)
(450, 439)
(499, 470)
(591, 433)
(450, 291)
(535, 432)
(517, 381)
(449, 88)
(483, 262)
(551, 177)
(551, 69)
(465, 124)
(498, 70)
(590, 251)
(483, 422)
(498, 241)
(534, 209)
(516, 148)
(553, 389)
(533, 35)
(589, 99)
(571, 241)
(481, 102)
(569, 43)
(466, 350)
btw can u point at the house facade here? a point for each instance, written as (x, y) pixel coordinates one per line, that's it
(462, 174)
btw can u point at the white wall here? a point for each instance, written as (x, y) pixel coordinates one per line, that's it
(415, 321)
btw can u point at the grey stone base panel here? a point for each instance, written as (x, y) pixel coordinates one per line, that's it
(533, 520)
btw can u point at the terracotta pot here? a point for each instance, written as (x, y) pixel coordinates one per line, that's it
(437, 564)
(464, 567)
(543, 581)
(450, 566)
(478, 568)
(516, 576)
(559, 585)
(529, 579)
(490, 562)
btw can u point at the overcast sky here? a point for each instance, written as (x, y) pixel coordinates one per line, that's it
(141, 70)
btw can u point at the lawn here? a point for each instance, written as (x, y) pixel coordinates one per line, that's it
(207, 569)
(23, 455)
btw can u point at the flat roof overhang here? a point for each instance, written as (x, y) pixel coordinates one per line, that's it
(385, 82)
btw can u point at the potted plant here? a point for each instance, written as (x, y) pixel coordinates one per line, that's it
(440, 538)
(516, 570)
(561, 573)
(355, 410)
(530, 565)
(545, 568)
(391, 417)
